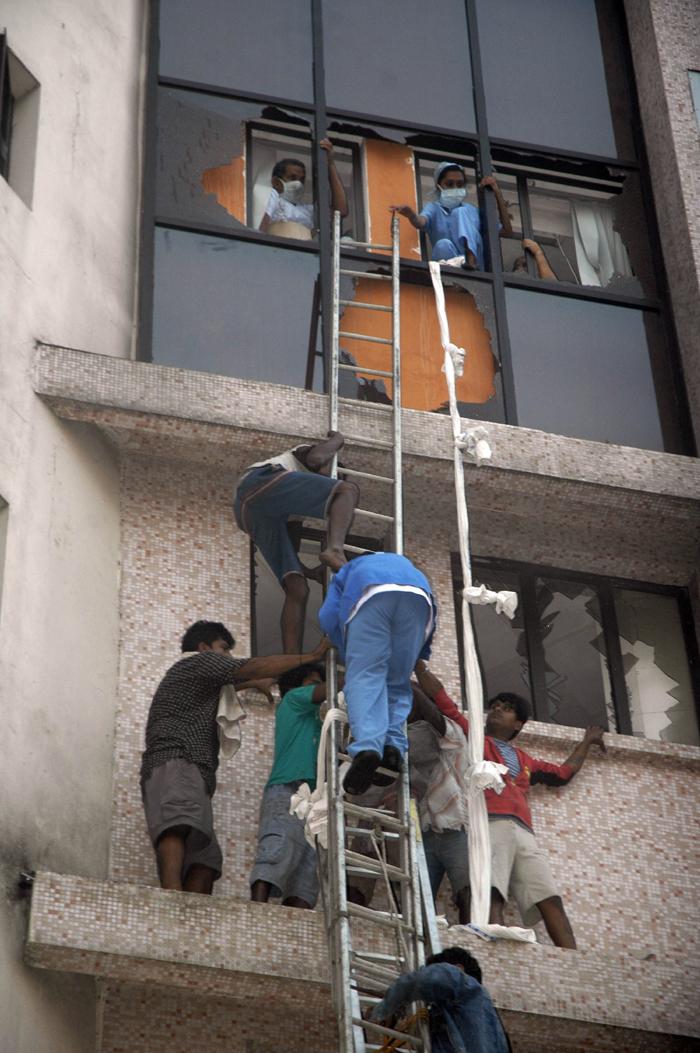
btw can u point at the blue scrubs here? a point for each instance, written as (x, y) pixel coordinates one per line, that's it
(451, 233)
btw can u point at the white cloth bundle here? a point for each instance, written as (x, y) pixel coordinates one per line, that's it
(506, 602)
(229, 715)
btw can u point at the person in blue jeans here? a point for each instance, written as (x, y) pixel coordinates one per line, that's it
(380, 614)
(285, 863)
(463, 1019)
(453, 225)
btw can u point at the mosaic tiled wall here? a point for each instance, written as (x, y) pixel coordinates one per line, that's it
(621, 838)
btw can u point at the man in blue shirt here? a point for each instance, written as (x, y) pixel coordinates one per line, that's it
(462, 1016)
(380, 614)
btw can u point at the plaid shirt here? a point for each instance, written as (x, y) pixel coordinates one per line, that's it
(182, 717)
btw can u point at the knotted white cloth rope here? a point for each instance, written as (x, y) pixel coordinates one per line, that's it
(506, 602)
(312, 808)
(483, 774)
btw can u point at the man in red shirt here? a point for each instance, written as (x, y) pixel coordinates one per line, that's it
(517, 861)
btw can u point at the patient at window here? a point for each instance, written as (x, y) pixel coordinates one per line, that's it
(286, 214)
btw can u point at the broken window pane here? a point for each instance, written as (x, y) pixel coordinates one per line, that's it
(657, 671)
(576, 672)
(583, 369)
(545, 74)
(268, 600)
(470, 317)
(201, 169)
(402, 77)
(501, 644)
(263, 47)
(211, 296)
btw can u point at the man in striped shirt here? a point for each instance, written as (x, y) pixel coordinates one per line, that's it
(518, 863)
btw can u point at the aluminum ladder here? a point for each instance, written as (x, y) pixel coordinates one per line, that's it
(358, 978)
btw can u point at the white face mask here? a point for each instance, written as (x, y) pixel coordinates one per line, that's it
(453, 197)
(293, 191)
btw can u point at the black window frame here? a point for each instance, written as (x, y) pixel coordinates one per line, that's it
(324, 120)
(6, 109)
(604, 585)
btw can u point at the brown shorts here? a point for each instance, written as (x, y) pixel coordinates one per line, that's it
(175, 794)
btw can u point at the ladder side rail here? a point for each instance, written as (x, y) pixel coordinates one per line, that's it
(396, 392)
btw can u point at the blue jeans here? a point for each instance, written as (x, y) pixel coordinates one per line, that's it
(382, 645)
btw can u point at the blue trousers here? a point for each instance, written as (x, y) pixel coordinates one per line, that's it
(382, 645)
(465, 234)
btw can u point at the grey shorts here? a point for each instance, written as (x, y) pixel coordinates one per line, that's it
(176, 795)
(447, 852)
(518, 864)
(284, 857)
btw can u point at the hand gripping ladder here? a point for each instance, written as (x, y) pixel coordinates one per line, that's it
(360, 976)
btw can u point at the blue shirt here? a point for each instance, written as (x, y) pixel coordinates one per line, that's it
(348, 585)
(462, 1015)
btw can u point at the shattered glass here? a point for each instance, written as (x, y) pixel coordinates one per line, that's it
(500, 643)
(576, 671)
(657, 671)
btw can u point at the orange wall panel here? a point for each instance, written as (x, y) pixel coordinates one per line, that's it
(228, 183)
(391, 180)
(423, 382)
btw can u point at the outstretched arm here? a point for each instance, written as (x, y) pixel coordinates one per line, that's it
(419, 222)
(318, 458)
(339, 202)
(276, 664)
(427, 710)
(593, 737)
(437, 984)
(506, 227)
(544, 270)
(427, 680)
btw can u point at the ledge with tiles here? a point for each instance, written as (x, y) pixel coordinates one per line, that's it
(231, 948)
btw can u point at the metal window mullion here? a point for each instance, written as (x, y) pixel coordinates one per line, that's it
(494, 252)
(144, 329)
(535, 647)
(526, 222)
(611, 633)
(321, 176)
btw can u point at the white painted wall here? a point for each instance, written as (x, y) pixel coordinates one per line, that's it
(67, 276)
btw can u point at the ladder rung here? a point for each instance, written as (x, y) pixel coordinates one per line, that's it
(373, 515)
(367, 475)
(364, 403)
(377, 957)
(369, 999)
(347, 757)
(362, 336)
(374, 815)
(356, 859)
(379, 917)
(363, 274)
(358, 831)
(384, 443)
(354, 548)
(371, 1026)
(367, 983)
(377, 972)
(347, 243)
(369, 306)
(362, 369)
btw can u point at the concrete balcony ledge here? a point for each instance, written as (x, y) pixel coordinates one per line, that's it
(161, 408)
(231, 948)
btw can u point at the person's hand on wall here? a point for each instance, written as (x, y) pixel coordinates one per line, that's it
(594, 734)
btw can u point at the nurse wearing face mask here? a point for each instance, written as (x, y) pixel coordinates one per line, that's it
(286, 215)
(453, 225)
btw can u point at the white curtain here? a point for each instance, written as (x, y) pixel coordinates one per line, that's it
(600, 253)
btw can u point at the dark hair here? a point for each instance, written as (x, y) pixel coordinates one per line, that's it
(457, 956)
(296, 677)
(280, 168)
(205, 632)
(521, 707)
(452, 168)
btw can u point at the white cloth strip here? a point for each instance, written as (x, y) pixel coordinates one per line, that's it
(506, 602)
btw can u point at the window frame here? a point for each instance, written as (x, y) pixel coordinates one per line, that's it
(604, 585)
(324, 120)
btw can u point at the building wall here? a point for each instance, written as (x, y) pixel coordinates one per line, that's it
(665, 42)
(68, 267)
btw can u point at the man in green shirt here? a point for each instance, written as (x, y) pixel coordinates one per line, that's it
(285, 863)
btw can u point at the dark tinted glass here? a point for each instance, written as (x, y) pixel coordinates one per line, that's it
(500, 642)
(230, 307)
(657, 671)
(582, 369)
(544, 76)
(269, 599)
(576, 676)
(263, 47)
(407, 60)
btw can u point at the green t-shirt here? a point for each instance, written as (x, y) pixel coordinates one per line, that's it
(297, 733)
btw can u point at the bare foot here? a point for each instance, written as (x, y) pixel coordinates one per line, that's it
(313, 573)
(333, 558)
